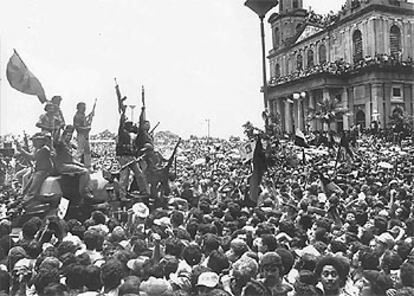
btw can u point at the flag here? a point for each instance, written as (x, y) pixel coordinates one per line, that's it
(329, 186)
(300, 139)
(21, 79)
(246, 150)
(259, 168)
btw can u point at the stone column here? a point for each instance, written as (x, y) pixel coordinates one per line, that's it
(386, 35)
(295, 114)
(377, 101)
(407, 98)
(387, 98)
(345, 103)
(367, 110)
(371, 37)
(288, 117)
(301, 124)
(312, 105)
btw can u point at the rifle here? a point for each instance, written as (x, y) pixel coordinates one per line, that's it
(121, 106)
(92, 114)
(143, 96)
(172, 157)
(153, 129)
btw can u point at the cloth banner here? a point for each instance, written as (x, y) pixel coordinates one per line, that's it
(259, 168)
(246, 150)
(21, 79)
(300, 139)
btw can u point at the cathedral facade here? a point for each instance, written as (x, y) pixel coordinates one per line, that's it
(361, 57)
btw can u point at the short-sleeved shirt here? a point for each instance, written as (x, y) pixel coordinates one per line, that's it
(79, 121)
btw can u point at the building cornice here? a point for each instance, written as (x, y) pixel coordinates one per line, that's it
(343, 21)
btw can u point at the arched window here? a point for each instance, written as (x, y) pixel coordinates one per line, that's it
(277, 38)
(357, 40)
(310, 58)
(395, 40)
(277, 71)
(322, 54)
(298, 27)
(299, 62)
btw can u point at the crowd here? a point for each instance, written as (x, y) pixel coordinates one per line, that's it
(340, 67)
(319, 227)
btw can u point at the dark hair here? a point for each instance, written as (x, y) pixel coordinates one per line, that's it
(177, 218)
(338, 246)
(337, 263)
(391, 260)
(217, 262)
(75, 276)
(111, 274)
(407, 274)
(93, 277)
(4, 281)
(369, 260)
(255, 288)
(46, 277)
(66, 247)
(192, 254)
(90, 239)
(54, 289)
(173, 246)
(33, 249)
(98, 217)
(270, 241)
(29, 229)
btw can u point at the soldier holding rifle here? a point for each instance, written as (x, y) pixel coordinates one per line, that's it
(125, 152)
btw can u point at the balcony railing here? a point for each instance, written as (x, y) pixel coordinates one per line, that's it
(340, 67)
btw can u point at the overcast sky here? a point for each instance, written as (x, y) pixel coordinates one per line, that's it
(198, 60)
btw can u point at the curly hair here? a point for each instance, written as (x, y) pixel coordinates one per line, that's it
(337, 263)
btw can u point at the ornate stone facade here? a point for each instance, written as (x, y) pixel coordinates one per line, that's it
(362, 56)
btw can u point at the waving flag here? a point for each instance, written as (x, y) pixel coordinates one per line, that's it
(21, 79)
(300, 139)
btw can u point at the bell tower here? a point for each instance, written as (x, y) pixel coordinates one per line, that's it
(288, 22)
(287, 6)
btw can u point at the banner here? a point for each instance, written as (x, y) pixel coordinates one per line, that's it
(259, 168)
(21, 79)
(300, 139)
(246, 150)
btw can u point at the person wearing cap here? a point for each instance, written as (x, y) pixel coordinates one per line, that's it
(83, 128)
(42, 156)
(271, 274)
(50, 122)
(206, 282)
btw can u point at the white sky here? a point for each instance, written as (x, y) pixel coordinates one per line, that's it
(198, 60)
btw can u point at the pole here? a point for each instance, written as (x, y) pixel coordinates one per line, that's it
(208, 130)
(262, 34)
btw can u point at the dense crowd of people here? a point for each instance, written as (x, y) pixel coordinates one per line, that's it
(340, 67)
(320, 226)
